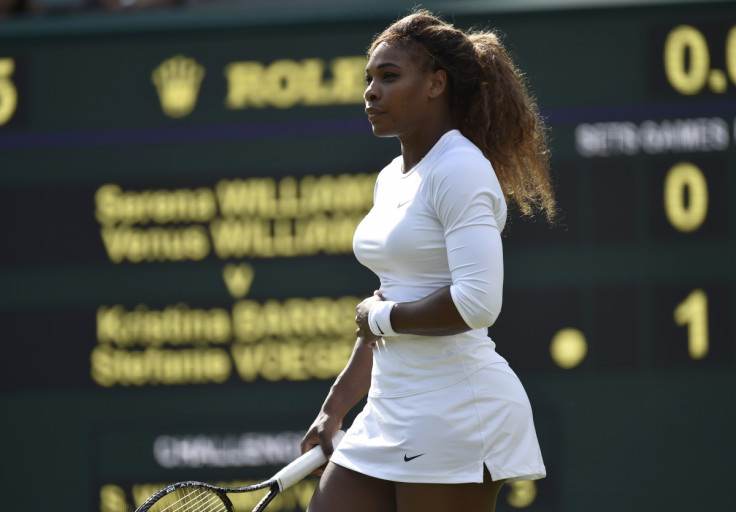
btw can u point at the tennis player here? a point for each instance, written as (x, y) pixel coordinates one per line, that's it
(447, 422)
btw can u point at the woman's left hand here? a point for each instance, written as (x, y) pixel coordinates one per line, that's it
(361, 318)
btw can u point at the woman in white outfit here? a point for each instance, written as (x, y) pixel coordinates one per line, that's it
(447, 422)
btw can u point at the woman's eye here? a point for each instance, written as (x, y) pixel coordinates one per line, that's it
(388, 75)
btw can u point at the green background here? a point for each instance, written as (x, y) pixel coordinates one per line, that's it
(637, 426)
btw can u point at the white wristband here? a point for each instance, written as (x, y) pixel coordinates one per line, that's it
(379, 318)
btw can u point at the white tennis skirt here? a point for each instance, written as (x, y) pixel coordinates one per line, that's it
(447, 435)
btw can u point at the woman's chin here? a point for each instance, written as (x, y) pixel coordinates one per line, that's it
(378, 131)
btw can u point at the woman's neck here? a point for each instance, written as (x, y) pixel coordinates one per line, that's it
(413, 149)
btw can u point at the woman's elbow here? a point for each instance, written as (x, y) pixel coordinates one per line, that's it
(484, 317)
(480, 312)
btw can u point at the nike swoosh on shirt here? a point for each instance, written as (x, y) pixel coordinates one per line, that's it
(408, 459)
(402, 204)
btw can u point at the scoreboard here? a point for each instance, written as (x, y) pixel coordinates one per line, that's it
(179, 190)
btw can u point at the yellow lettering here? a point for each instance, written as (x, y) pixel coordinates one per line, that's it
(155, 243)
(293, 359)
(285, 83)
(254, 197)
(294, 318)
(110, 367)
(114, 206)
(297, 339)
(289, 198)
(174, 325)
(255, 238)
(349, 79)
(242, 238)
(316, 90)
(244, 85)
(283, 238)
(247, 325)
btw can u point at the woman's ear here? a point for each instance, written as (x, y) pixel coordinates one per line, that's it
(438, 83)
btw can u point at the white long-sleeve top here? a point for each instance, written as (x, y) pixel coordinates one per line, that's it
(439, 223)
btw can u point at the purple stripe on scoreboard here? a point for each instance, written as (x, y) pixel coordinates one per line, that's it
(180, 134)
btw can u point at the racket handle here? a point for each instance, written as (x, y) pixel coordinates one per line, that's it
(304, 465)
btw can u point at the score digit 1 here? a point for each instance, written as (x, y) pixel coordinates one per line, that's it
(686, 207)
(693, 312)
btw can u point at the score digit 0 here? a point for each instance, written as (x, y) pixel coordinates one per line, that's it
(8, 92)
(685, 197)
(687, 64)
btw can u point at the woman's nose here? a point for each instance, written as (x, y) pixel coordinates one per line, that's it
(370, 93)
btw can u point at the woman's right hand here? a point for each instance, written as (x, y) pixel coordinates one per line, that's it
(350, 387)
(361, 319)
(321, 432)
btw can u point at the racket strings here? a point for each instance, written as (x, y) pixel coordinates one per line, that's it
(191, 500)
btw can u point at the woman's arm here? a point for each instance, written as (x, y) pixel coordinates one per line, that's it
(348, 389)
(434, 315)
(472, 301)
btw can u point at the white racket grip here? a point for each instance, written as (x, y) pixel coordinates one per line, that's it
(304, 465)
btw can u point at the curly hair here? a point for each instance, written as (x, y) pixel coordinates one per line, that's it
(490, 101)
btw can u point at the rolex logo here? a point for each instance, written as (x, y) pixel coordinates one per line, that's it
(177, 82)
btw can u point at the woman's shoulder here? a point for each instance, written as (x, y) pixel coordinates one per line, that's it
(456, 141)
(460, 160)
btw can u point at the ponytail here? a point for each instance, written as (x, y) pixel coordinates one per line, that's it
(491, 105)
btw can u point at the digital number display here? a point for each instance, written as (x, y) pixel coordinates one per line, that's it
(178, 287)
(688, 62)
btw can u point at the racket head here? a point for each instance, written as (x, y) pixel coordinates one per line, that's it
(188, 497)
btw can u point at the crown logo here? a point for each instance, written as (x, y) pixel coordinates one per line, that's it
(177, 82)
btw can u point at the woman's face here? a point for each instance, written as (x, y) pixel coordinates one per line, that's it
(398, 91)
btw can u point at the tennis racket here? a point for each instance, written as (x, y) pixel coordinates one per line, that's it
(195, 496)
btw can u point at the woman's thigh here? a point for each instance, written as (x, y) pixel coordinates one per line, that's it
(343, 490)
(472, 497)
